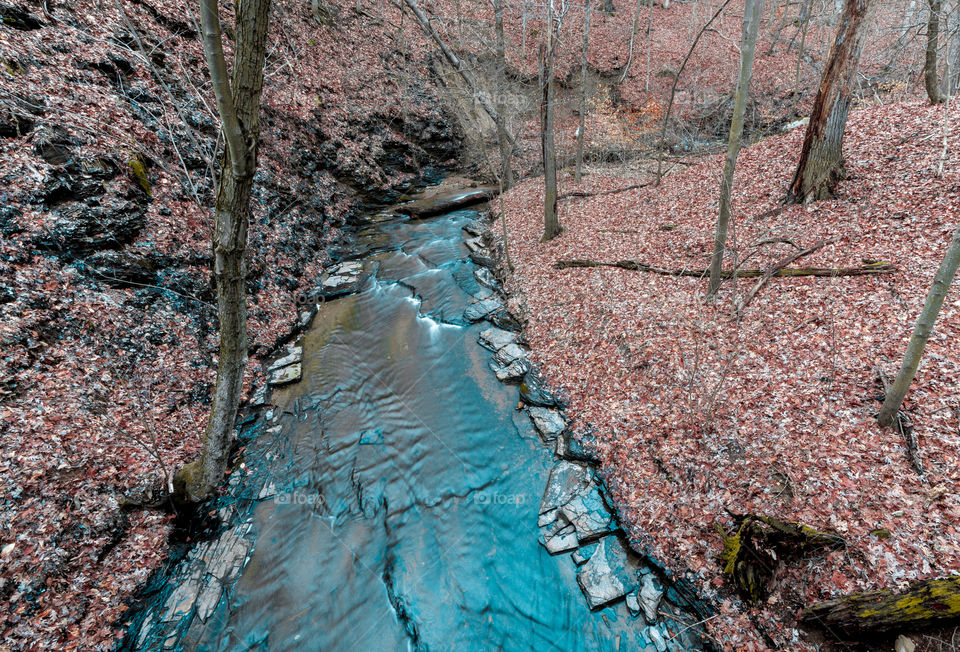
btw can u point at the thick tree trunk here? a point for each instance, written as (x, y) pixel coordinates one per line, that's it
(821, 164)
(751, 25)
(551, 222)
(503, 137)
(930, 60)
(583, 91)
(921, 332)
(924, 604)
(239, 106)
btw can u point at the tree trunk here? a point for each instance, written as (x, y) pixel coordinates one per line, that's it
(924, 604)
(751, 25)
(821, 164)
(239, 109)
(503, 136)
(550, 221)
(921, 332)
(633, 38)
(583, 92)
(930, 61)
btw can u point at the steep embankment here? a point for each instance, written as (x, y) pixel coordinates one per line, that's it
(107, 167)
(700, 411)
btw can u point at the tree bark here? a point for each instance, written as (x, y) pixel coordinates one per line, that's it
(924, 604)
(921, 332)
(238, 104)
(551, 222)
(751, 25)
(821, 164)
(583, 92)
(930, 60)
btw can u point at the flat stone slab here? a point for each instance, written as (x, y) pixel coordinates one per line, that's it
(549, 422)
(509, 353)
(566, 481)
(495, 339)
(588, 514)
(570, 448)
(295, 355)
(479, 310)
(440, 203)
(289, 374)
(609, 574)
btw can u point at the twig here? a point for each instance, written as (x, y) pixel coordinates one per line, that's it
(581, 193)
(776, 267)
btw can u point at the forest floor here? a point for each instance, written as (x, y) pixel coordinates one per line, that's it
(701, 410)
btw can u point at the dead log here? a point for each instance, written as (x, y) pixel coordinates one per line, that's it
(926, 603)
(582, 193)
(776, 267)
(637, 266)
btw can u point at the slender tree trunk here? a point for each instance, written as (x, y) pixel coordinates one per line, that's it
(930, 60)
(238, 103)
(583, 91)
(551, 222)
(503, 136)
(633, 38)
(921, 332)
(805, 18)
(821, 164)
(666, 4)
(751, 25)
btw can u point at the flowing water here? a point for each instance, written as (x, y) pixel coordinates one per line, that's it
(389, 500)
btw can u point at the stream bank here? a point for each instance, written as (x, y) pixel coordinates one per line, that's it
(396, 497)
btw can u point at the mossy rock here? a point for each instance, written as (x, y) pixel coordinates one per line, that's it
(139, 171)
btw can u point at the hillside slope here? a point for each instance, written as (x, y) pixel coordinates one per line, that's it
(698, 414)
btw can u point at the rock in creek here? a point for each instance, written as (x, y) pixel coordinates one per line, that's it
(286, 375)
(504, 319)
(509, 353)
(533, 391)
(609, 574)
(548, 421)
(485, 277)
(495, 339)
(480, 309)
(343, 279)
(650, 596)
(295, 355)
(583, 553)
(511, 373)
(569, 447)
(573, 504)
(633, 604)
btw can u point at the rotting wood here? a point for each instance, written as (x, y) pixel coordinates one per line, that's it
(776, 267)
(926, 603)
(600, 193)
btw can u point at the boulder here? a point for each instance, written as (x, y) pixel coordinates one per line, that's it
(512, 373)
(533, 391)
(294, 355)
(569, 447)
(549, 422)
(485, 277)
(609, 574)
(509, 353)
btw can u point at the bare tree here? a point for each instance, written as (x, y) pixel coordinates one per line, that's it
(751, 26)
(551, 222)
(921, 332)
(930, 60)
(238, 103)
(583, 91)
(821, 164)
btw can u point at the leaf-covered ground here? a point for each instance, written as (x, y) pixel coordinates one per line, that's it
(697, 412)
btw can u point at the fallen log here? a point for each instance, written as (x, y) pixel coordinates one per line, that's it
(924, 604)
(637, 266)
(776, 267)
(600, 193)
